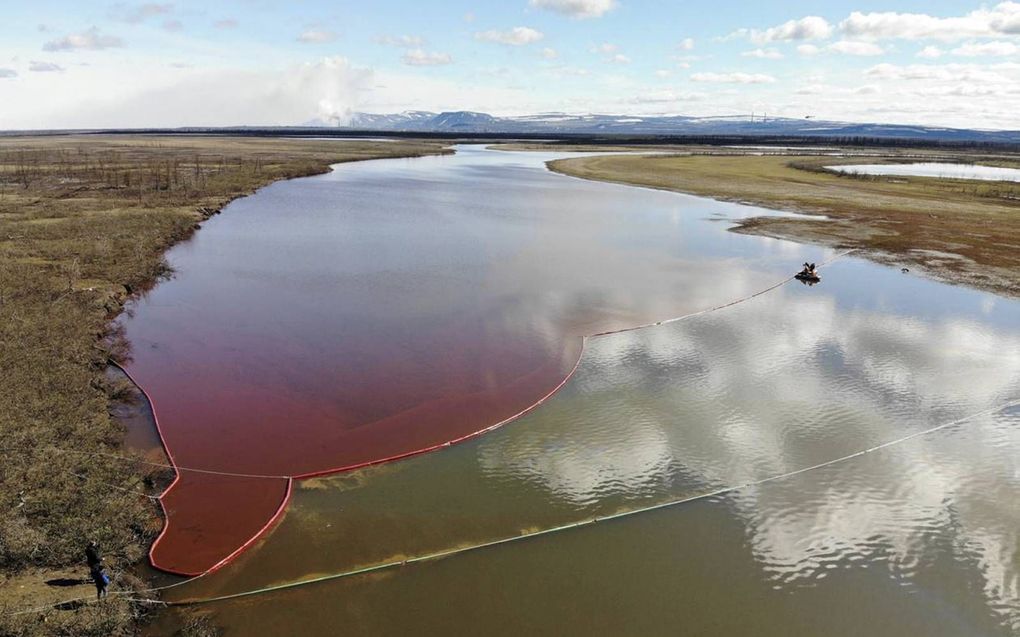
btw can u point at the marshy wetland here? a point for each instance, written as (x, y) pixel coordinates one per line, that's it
(313, 324)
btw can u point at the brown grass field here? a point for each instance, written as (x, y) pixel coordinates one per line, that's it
(84, 223)
(960, 231)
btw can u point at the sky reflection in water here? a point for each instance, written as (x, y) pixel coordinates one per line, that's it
(921, 538)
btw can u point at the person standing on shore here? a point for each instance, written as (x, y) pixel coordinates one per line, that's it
(101, 580)
(92, 555)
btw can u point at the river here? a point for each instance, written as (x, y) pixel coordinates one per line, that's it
(393, 305)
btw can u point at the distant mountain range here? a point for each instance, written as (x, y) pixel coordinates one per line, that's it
(469, 122)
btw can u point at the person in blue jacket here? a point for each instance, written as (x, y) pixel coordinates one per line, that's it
(101, 580)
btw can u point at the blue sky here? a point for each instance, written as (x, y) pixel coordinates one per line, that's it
(182, 62)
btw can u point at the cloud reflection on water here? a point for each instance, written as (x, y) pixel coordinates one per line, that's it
(788, 381)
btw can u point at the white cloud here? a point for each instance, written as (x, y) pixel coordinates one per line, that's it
(549, 53)
(44, 67)
(807, 28)
(687, 44)
(849, 47)
(226, 23)
(611, 53)
(867, 89)
(663, 73)
(733, 78)
(560, 71)
(316, 36)
(328, 89)
(1004, 18)
(808, 49)
(576, 8)
(516, 36)
(763, 54)
(989, 49)
(139, 13)
(402, 41)
(813, 89)
(7, 73)
(930, 52)
(90, 40)
(957, 74)
(418, 57)
(666, 96)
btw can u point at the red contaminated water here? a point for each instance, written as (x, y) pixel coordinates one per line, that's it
(384, 309)
(392, 404)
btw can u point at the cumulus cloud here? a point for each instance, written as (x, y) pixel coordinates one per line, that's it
(1003, 19)
(687, 44)
(989, 49)
(420, 57)
(139, 13)
(90, 40)
(733, 78)
(849, 47)
(619, 58)
(7, 73)
(517, 36)
(576, 8)
(930, 52)
(808, 49)
(316, 36)
(807, 28)
(550, 53)
(763, 54)
(44, 67)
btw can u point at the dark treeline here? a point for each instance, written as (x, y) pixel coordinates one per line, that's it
(599, 139)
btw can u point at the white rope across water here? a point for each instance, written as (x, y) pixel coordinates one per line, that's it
(668, 321)
(591, 521)
(450, 552)
(524, 536)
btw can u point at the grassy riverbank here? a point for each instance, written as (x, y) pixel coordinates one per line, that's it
(955, 230)
(84, 223)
